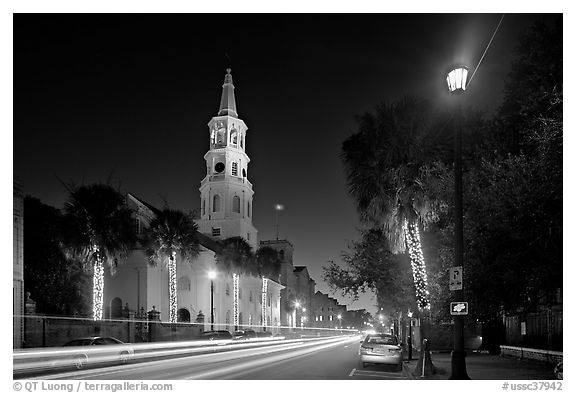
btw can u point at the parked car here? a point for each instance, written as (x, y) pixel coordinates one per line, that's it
(93, 351)
(244, 334)
(216, 335)
(381, 348)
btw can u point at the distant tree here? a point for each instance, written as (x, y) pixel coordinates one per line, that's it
(371, 265)
(170, 234)
(98, 233)
(58, 286)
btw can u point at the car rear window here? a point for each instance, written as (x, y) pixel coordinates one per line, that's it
(385, 340)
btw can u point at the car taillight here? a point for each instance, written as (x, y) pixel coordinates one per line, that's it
(364, 349)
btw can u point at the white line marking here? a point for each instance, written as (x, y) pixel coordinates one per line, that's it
(352, 373)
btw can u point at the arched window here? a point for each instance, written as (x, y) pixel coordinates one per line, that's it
(234, 169)
(241, 140)
(250, 297)
(183, 315)
(116, 308)
(236, 204)
(227, 319)
(203, 206)
(234, 136)
(216, 203)
(239, 292)
(184, 284)
(248, 211)
(282, 255)
(227, 289)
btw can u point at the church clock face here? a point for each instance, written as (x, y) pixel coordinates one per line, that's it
(219, 167)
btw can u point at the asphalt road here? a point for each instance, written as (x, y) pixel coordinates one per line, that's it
(335, 358)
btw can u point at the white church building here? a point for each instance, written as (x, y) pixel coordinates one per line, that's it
(226, 211)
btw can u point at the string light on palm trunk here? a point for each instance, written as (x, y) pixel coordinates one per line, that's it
(98, 289)
(236, 281)
(173, 289)
(264, 300)
(418, 265)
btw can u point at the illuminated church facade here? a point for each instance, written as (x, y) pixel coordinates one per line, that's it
(226, 202)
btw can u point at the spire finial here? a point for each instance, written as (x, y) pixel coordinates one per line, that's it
(228, 70)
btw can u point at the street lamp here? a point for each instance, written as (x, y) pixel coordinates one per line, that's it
(340, 320)
(211, 276)
(296, 306)
(410, 313)
(456, 80)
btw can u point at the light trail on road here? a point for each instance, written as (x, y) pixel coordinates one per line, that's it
(219, 365)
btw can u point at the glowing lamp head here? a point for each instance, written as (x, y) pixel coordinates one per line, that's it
(297, 304)
(339, 316)
(457, 79)
(303, 309)
(211, 274)
(410, 313)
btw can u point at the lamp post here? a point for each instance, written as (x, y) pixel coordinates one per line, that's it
(211, 276)
(456, 80)
(340, 320)
(410, 335)
(296, 306)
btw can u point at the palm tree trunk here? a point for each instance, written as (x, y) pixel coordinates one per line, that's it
(418, 265)
(98, 289)
(172, 289)
(264, 302)
(236, 280)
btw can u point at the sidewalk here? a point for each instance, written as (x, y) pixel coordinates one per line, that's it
(484, 366)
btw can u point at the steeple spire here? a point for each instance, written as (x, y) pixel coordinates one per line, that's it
(228, 102)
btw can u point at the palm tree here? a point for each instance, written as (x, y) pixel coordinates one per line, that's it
(97, 232)
(171, 233)
(388, 171)
(236, 257)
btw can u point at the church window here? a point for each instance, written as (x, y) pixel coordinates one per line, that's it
(234, 169)
(269, 301)
(183, 284)
(282, 255)
(248, 236)
(320, 318)
(239, 293)
(250, 297)
(227, 289)
(203, 206)
(248, 210)
(236, 204)
(240, 318)
(234, 137)
(330, 317)
(242, 141)
(215, 231)
(216, 203)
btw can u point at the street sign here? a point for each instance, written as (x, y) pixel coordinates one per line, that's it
(456, 278)
(459, 308)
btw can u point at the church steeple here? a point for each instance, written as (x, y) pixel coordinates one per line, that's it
(228, 102)
(226, 194)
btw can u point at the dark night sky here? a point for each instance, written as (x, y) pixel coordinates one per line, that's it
(132, 94)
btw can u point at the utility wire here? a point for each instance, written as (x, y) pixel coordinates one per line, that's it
(486, 50)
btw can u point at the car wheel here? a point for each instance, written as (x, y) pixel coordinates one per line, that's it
(124, 356)
(364, 364)
(80, 362)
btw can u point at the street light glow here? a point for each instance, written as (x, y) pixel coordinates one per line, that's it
(211, 274)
